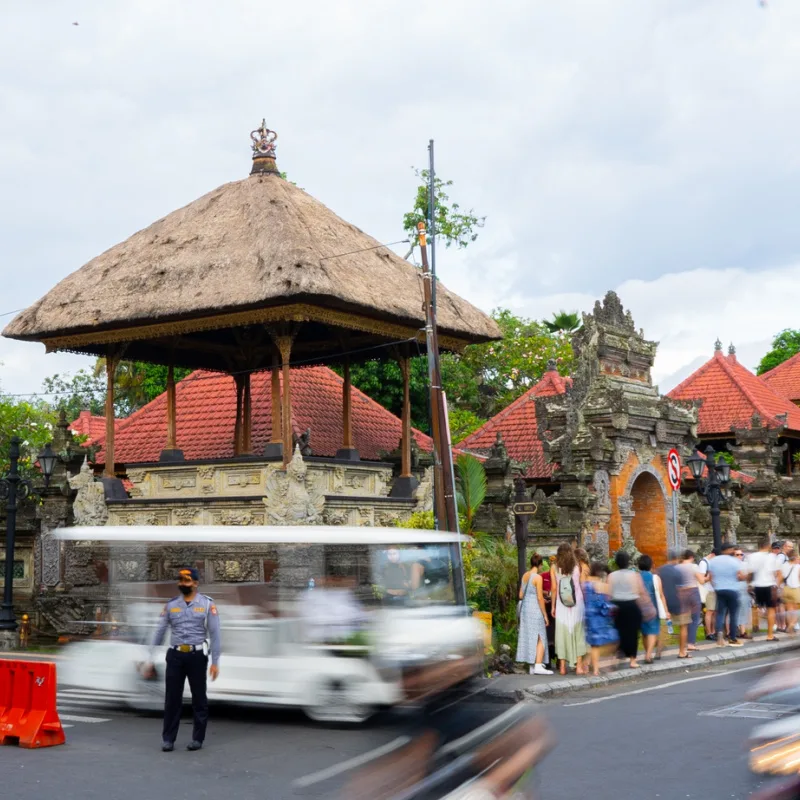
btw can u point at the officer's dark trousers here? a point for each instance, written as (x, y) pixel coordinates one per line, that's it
(181, 666)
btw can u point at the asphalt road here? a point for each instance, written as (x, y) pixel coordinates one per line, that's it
(647, 740)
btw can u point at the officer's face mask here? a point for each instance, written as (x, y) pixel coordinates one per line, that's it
(186, 589)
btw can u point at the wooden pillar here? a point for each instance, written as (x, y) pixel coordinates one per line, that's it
(172, 423)
(347, 409)
(347, 450)
(406, 484)
(285, 347)
(171, 451)
(405, 441)
(247, 417)
(111, 367)
(237, 427)
(277, 435)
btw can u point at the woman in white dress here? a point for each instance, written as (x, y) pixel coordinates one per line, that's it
(532, 640)
(567, 606)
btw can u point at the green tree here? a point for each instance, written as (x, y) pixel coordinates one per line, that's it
(453, 225)
(470, 489)
(784, 346)
(463, 422)
(564, 321)
(32, 422)
(136, 383)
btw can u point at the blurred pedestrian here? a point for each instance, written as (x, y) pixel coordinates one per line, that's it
(650, 627)
(532, 646)
(192, 617)
(707, 596)
(694, 603)
(725, 572)
(567, 606)
(583, 562)
(547, 590)
(600, 630)
(791, 589)
(672, 583)
(765, 576)
(626, 590)
(745, 601)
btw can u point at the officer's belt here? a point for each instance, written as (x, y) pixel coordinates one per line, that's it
(186, 648)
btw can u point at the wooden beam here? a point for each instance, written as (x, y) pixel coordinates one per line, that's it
(405, 441)
(347, 409)
(172, 422)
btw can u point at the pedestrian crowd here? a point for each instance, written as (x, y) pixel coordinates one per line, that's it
(574, 611)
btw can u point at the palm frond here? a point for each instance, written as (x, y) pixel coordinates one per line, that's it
(470, 488)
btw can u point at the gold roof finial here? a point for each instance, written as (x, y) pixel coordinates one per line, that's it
(264, 150)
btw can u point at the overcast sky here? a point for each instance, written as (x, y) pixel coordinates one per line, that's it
(649, 146)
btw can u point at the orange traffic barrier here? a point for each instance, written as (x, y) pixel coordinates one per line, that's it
(28, 715)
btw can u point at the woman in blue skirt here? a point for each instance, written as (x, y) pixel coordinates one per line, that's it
(652, 627)
(600, 630)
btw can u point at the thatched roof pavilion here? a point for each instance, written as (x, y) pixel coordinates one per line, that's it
(252, 275)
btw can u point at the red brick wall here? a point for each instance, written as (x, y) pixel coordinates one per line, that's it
(649, 525)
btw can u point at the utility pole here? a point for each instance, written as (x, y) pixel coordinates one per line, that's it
(445, 509)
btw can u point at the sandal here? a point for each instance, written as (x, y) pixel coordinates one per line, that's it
(688, 655)
(649, 661)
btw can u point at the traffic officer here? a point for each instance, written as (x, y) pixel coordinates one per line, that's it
(192, 617)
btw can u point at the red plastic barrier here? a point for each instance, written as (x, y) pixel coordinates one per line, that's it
(28, 715)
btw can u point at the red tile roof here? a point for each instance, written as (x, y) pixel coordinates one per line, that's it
(206, 416)
(785, 378)
(517, 424)
(731, 394)
(91, 426)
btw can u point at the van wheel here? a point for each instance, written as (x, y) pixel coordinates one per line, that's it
(339, 700)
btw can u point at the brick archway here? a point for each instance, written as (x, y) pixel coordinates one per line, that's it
(649, 523)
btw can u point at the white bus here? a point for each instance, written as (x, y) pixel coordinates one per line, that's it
(338, 621)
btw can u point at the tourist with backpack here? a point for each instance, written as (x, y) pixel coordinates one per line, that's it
(567, 606)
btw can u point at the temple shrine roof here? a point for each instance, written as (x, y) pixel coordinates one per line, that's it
(732, 395)
(251, 253)
(91, 426)
(518, 426)
(206, 415)
(785, 378)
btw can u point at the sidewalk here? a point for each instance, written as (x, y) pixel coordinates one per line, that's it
(615, 671)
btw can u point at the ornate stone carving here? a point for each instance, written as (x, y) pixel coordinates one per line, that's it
(356, 480)
(135, 475)
(424, 492)
(292, 498)
(243, 569)
(235, 518)
(51, 560)
(178, 481)
(244, 479)
(338, 516)
(130, 571)
(206, 473)
(386, 519)
(602, 489)
(185, 516)
(303, 442)
(89, 507)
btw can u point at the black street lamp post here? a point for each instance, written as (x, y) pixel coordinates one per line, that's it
(12, 489)
(718, 475)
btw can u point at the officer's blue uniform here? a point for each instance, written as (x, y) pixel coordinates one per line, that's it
(189, 622)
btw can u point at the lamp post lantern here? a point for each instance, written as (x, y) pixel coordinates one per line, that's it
(718, 474)
(14, 488)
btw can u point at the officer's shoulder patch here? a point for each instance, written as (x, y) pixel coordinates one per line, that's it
(213, 609)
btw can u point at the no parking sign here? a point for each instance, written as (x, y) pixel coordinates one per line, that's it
(674, 469)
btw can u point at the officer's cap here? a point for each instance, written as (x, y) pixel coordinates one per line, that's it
(189, 572)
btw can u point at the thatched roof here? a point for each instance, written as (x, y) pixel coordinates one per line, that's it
(254, 251)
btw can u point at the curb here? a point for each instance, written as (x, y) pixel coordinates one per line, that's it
(724, 656)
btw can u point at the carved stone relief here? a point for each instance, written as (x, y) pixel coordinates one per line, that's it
(292, 499)
(89, 507)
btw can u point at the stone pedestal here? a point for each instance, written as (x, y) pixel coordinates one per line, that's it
(171, 456)
(8, 640)
(348, 454)
(404, 487)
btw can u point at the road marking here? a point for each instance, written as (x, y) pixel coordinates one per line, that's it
(767, 711)
(676, 683)
(76, 718)
(358, 761)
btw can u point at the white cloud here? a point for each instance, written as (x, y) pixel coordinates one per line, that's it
(649, 147)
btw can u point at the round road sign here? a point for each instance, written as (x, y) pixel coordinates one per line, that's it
(674, 469)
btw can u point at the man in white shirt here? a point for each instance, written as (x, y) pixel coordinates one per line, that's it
(765, 577)
(708, 596)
